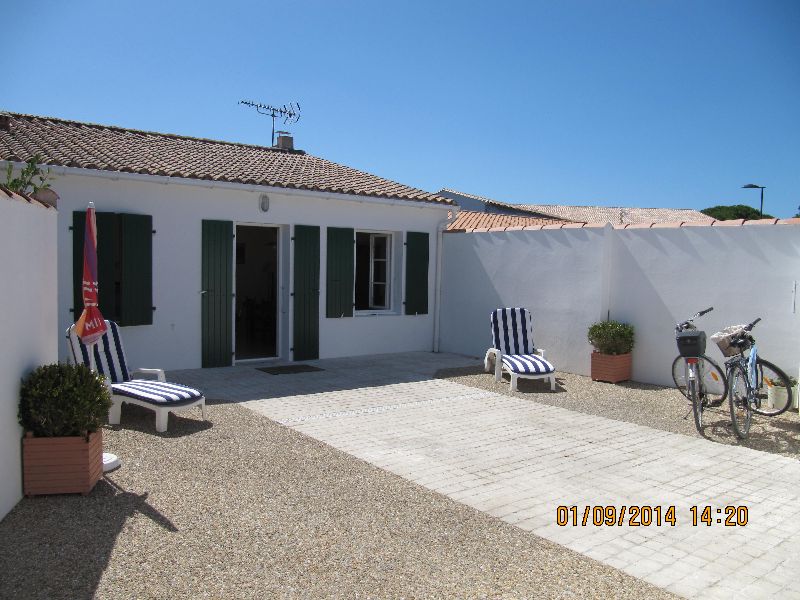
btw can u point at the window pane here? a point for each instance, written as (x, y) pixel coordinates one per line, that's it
(379, 271)
(378, 295)
(380, 246)
(362, 271)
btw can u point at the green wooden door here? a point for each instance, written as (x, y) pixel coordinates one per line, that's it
(306, 292)
(217, 293)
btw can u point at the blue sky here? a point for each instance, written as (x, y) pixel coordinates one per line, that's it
(638, 103)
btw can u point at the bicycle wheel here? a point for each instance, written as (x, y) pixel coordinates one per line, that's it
(739, 400)
(773, 391)
(697, 404)
(714, 385)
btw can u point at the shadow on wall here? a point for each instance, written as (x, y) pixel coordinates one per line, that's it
(61, 545)
(556, 274)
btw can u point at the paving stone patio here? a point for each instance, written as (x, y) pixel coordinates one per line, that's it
(519, 460)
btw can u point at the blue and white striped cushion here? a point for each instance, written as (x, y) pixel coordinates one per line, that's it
(156, 392)
(109, 356)
(527, 363)
(512, 331)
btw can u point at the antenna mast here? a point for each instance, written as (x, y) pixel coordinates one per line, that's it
(289, 114)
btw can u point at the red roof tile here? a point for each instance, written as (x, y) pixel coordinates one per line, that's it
(107, 148)
(468, 220)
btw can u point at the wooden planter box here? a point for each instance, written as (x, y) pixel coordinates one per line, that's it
(61, 465)
(612, 368)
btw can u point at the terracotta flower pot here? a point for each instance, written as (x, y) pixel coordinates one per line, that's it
(612, 368)
(61, 465)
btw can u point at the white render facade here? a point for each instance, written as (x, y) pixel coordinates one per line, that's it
(179, 206)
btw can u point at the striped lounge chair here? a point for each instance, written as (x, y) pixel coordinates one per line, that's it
(157, 395)
(513, 351)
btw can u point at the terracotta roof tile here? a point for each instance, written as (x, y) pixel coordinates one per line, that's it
(617, 214)
(472, 220)
(108, 148)
(9, 194)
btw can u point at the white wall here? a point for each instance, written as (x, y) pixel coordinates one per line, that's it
(661, 276)
(651, 278)
(557, 274)
(178, 208)
(29, 323)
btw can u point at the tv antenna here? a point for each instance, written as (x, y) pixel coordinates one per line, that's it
(289, 114)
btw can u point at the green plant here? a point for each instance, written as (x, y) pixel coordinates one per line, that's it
(735, 211)
(611, 337)
(25, 182)
(792, 381)
(63, 400)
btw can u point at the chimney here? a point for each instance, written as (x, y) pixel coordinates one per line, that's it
(285, 141)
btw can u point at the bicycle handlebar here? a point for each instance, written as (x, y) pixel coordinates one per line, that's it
(688, 323)
(751, 325)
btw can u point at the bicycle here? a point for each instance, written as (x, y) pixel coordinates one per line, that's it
(713, 382)
(696, 375)
(755, 384)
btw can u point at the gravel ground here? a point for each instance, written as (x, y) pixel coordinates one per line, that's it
(655, 406)
(246, 508)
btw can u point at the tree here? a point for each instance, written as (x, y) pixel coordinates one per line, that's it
(736, 211)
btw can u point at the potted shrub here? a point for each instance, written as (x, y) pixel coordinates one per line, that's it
(777, 396)
(611, 359)
(62, 408)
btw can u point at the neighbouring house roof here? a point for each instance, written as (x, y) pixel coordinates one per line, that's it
(468, 220)
(453, 195)
(618, 215)
(117, 149)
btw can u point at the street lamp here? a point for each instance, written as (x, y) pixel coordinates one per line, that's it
(753, 186)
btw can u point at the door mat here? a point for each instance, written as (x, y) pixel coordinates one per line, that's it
(289, 369)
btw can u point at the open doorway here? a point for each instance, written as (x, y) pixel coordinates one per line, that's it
(256, 292)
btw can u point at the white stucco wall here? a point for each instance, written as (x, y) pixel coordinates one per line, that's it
(661, 276)
(178, 208)
(650, 278)
(28, 306)
(557, 274)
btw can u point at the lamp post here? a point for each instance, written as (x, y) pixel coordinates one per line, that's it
(753, 186)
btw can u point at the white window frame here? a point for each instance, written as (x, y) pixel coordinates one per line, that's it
(388, 236)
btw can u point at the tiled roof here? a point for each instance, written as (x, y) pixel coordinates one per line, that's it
(449, 193)
(8, 194)
(109, 148)
(651, 225)
(617, 215)
(468, 220)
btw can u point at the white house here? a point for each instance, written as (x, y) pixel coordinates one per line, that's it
(214, 252)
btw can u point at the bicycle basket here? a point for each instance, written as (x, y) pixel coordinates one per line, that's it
(691, 343)
(724, 340)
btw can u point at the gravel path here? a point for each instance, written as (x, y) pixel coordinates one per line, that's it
(654, 406)
(247, 508)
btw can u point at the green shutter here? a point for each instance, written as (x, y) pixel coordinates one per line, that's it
(417, 253)
(78, 225)
(340, 272)
(108, 274)
(306, 292)
(217, 293)
(136, 269)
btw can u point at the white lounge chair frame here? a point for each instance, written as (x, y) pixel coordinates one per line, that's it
(117, 400)
(495, 355)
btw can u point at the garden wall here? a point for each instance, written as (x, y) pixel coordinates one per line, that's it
(28, 305)
(649, 277)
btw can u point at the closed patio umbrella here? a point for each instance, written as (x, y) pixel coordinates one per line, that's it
(91, 326)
